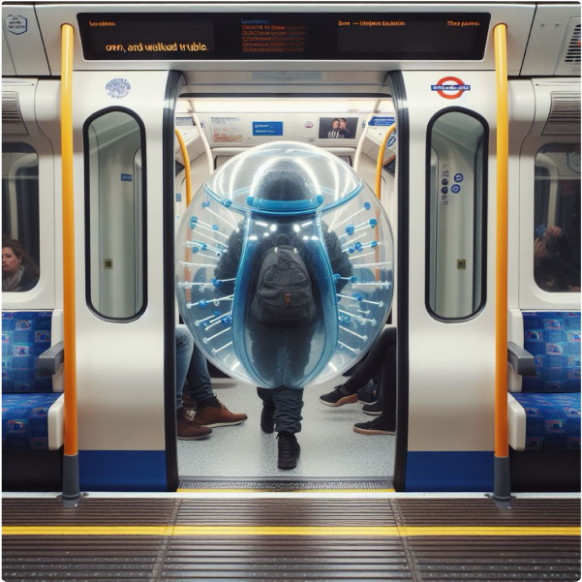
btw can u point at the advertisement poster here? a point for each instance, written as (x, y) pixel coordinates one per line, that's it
(338, 127)
(226, 129)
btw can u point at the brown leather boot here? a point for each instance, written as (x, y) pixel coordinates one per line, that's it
(188, 430)
(212, 413)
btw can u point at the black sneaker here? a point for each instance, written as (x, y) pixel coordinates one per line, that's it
(267, 422)
(337, 398)
(372, 409)
(288, 450)
(368, 394)
(380, 425)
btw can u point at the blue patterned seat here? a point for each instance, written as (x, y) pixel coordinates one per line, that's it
(551, 398)
(552, 420)
(26, 396)
(25, 420)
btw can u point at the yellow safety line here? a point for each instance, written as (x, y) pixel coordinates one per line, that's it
(209, 530)
(288, 491)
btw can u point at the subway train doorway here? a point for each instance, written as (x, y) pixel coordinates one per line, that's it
(340, 447)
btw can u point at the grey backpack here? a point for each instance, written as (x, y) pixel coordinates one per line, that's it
(284, 293)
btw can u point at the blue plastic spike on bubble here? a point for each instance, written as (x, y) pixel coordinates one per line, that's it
(217, 282)
(250, 200)
(224, 320)
(227, 203)
(215, 227)
(193, 221)
(367, 205)
(319, 199)
(353, 279)
(336, 277)
(195, 250)
(216, 312)
(358, 296)
(205, 204)
(374, 243)
(350, 229)
(202, 304)
(358, 246)
(352, 250)
(373, 222)
(204, 246)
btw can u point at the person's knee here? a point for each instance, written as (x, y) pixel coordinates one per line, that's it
(184, 340)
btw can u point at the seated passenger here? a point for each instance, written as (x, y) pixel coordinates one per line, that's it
(382, 358)
(19, 270)
(210, 412)
(281, 349)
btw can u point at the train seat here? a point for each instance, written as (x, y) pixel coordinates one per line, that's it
(32, 412)
(544, 408)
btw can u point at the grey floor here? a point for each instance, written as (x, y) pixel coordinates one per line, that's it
(329, 446)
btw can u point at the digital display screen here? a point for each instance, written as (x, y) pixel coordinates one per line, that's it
(338, 127)
(283, 36)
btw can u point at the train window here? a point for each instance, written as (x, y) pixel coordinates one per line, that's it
(115, 207)
(456, 214)
(556, 243)
(20, 218)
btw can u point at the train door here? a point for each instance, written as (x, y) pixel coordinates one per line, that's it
(124, 278)
(446, 281)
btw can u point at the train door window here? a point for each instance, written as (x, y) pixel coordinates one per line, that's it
(455, 215)
(115, 208)
(556, 244)
(20, 218)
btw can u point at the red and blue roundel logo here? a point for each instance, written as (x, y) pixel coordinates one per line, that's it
(450, 87)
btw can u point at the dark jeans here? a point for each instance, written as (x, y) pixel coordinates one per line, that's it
(287, 403)
(381, 359)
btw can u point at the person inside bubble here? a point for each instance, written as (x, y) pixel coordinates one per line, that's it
(19, 271)
(282, 348)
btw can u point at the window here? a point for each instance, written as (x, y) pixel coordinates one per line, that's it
(116, 222)
(20, 218)
(456, 214)
(556, 244)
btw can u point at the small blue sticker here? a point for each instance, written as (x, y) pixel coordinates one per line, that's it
(458, 177)
(455, 188)
(381, 121)
(267, 128)
(178, 197)
(16, 24)
(118, 88)
(126, 177)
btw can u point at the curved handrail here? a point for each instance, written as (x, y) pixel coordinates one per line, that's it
(186, 167)
(380, 162)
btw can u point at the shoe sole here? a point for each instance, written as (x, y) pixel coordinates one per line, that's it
(351, 399)
(373, 431)
(367, 403)
(204, 436)
(370, 412)
(219, 424)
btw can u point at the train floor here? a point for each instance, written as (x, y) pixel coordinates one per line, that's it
(329, 446)
(290, 537)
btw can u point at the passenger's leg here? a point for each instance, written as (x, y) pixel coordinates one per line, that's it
(386, 422)
(268, 412)
(288, 406)
(187, 430)
(199, 386)
(346, 393)
(184, 347)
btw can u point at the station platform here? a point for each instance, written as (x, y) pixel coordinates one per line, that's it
(290, 536)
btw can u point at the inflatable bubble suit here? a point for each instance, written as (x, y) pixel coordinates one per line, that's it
(277, 196)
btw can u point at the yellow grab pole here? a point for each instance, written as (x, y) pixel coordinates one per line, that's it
(186, 167)
(71, 493)
(380, 163)
(502, 488)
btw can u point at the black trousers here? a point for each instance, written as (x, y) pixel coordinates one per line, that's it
(380, 360)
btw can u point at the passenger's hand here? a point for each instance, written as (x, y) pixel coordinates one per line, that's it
(539, 249)
(554, 231)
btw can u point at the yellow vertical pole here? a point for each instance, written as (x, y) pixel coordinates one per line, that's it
(71, 492)
(502, 485)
